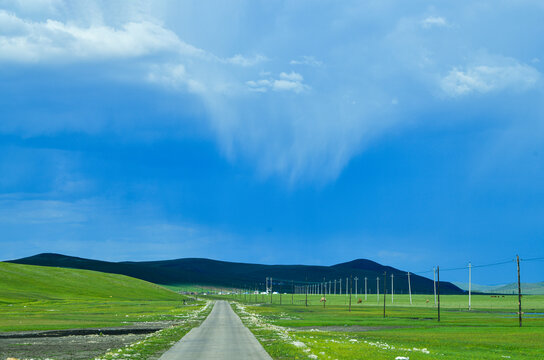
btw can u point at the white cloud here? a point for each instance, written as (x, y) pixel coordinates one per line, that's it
(434, 21)
(27, 41)
(241, 60)
(306, 60)
(33, 6)
(285, 82)
(30, 212)
(311, 136)
(174, 76)
(481, 78)
(292, 76)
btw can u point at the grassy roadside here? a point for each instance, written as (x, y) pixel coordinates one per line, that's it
(46, 298)
(406, 332)
(91, 313)
(157, 343)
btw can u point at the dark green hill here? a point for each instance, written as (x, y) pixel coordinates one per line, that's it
(243, 275)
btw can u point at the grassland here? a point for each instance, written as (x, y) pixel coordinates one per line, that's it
(489, 331)
(190, 288)
(46, 298)
(459, 302)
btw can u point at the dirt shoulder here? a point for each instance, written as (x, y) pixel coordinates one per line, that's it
(73, 344)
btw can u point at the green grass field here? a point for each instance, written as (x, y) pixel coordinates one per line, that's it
(460, 302)
(41, 298)
(489, 331)
(45, 298)
(191, 288)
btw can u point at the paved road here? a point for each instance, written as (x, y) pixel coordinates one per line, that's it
(221, 336)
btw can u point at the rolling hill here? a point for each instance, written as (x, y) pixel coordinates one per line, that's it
(243, 275)
(21, 283)
(526, 288)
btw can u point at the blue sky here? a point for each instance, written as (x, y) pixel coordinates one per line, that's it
(274, 131)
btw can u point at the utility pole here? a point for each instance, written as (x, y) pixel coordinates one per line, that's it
(519, 291)
(438, 289)
(324, 299)
(392, 289)
(384, 291)
(365, 287)
(469, 284)
(378, 289)
(350, 291)
(356, 278)
(271, 290)
(434, 284)
(409, 288)
(307, 288)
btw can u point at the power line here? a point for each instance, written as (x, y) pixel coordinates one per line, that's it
(533, 259)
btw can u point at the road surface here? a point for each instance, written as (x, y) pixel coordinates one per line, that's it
(221, 336)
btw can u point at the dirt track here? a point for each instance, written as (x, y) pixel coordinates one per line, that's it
(73, 347)
(72, 344)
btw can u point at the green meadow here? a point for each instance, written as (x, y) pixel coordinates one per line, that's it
(489, 331)
(459, 302)
(47, 298)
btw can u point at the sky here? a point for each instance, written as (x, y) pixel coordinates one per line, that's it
(276, 132)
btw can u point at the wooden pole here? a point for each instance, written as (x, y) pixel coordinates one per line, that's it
(434, 285)
(409, 288)
(384, 290)
(469, 285)
(392, 289)
(324, 299)
(350, 291)
(519, 292)
(438, 289)
(271, 291)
